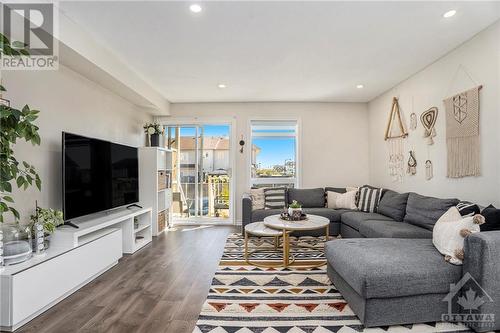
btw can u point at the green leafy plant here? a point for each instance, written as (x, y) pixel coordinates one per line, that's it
(15, 125)
(152, 128)
(295, 205)
(48, 217)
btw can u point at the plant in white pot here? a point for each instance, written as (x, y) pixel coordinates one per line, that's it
(153, 130)
(295, 210)
(49, 218)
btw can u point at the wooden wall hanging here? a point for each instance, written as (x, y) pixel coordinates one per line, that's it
(395, 142)
(428, 119)
(395, 115)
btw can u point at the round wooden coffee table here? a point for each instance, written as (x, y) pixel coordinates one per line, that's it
(260, 230)
(313, 222)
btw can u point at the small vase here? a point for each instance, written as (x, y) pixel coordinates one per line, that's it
(295, 213)
(155, 140)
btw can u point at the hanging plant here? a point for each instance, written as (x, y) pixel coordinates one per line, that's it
(16, 125)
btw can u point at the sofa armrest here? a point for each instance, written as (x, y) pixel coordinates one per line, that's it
(482, 261)
(246, 204)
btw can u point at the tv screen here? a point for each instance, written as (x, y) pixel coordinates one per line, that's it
(97, 175)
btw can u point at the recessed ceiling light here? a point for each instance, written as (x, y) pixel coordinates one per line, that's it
(449, 13)
(360, 86)
(221, 85)
(195, 8)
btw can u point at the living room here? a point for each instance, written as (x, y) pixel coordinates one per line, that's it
(248, 130)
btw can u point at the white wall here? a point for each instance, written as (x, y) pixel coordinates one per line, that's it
(334, 149)
(68, 102)
(481, 58)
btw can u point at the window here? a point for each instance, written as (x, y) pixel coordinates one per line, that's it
(274, 153)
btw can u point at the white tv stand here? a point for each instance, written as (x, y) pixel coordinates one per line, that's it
(75, 257)
(89, 229)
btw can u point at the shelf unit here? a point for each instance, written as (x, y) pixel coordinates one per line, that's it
(155, 172)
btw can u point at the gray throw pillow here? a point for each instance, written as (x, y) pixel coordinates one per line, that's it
(308, 198)
(424, 211)
(393, 205)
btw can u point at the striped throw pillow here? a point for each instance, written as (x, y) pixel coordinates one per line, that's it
(468, 208)
(369, 199)
(274, 197)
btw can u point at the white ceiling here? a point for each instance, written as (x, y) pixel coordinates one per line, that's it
(279, 51)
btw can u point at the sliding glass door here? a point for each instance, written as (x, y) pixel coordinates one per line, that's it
(201, 179)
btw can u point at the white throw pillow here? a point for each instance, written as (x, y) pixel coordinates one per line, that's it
(331, 199)
(449, 233)
(347, 200)
(258, 198)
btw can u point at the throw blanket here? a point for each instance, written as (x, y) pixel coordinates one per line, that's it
(462, 134)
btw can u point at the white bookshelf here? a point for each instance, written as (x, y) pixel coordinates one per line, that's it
(152, 162)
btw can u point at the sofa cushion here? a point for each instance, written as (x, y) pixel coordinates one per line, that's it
(259, 214)
(492, 217)
(424, 211)
(393, 204)
(308, 198)
(392, 229)
(354, 219)
(385, 268)
(332, 214)
(335, 189)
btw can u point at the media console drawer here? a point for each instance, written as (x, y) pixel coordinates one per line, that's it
(27, 293)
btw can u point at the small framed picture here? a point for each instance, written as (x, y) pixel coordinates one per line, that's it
(5, 102)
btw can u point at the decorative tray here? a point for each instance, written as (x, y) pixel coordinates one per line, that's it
(287, 217)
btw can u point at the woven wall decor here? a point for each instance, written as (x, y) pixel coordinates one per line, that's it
(429, 172)
(413, 121)
(428, 119)
(412, 164)
(462, 134)
(395, 142)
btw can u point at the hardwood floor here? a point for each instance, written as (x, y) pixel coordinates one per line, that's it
(159, 289)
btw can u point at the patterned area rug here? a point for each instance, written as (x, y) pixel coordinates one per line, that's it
(249, 299)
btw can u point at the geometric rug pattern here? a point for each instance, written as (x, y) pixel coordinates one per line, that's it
(249, 299)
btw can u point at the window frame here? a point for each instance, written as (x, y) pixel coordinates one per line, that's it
(296, 181)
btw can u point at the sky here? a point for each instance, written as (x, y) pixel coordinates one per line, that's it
(273, 151)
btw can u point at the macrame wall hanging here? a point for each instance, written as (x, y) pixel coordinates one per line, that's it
(429, 172)
(395, 142)
(462, 134)
(412, 164)
(413, 121)
(428, 119)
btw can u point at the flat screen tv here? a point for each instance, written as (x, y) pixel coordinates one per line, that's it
(97, 175)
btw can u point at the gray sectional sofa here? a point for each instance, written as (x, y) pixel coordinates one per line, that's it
(386, 266)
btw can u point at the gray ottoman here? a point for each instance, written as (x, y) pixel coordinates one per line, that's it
(391, 281)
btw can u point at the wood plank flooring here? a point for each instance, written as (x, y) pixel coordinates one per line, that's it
(159, 289)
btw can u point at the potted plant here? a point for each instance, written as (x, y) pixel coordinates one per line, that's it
(16, 125)
(49, 218)
(153, 130)
(295, 210)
